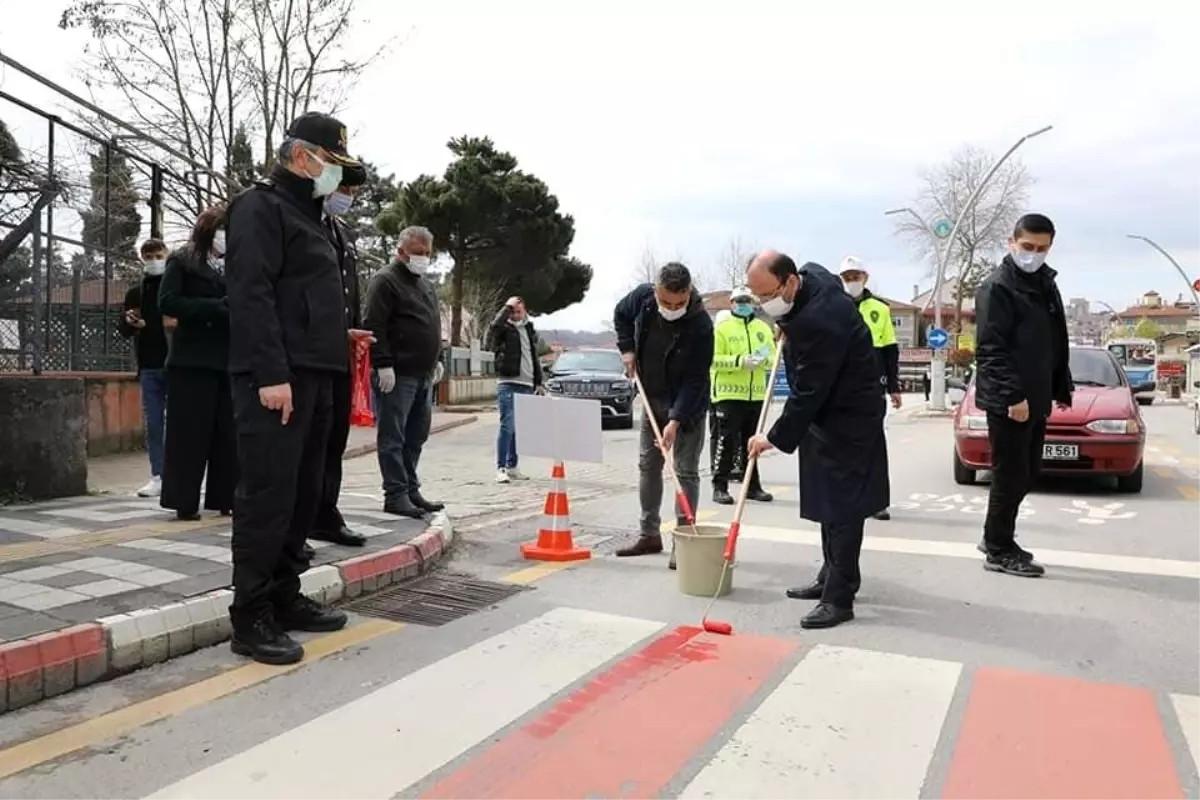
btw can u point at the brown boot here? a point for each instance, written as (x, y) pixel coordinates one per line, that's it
(646, 545)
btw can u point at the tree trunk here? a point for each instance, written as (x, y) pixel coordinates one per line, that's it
(456, 297)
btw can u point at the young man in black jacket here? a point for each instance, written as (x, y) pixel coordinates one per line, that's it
(514, 341)
(404, 316)
(288, 343)
(143, 322)
(1023, 363)
(666, 335)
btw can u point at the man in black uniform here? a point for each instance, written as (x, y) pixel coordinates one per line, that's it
(330, 525)
(288, 345)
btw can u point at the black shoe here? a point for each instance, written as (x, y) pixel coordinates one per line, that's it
(760, 495)
(826, 616)
(811, 592)
(225, 512)
(309, 552)
(423, 504)
(882, 516)
(644, 546)
(187, 516)
(403, 508)
(1025, 554)
(305, 614)
(265, 642)
(343, 536)
(1014, 564)
(721, 496)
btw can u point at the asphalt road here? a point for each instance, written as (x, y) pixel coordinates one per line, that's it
(951, 682)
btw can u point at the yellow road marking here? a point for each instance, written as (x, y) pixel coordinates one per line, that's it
(1164, 472)
(29, 754)
(1188, 491)
(528, 575)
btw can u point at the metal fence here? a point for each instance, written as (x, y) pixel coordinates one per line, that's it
(74, 207)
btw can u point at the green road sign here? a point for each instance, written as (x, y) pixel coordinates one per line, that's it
(942, 228)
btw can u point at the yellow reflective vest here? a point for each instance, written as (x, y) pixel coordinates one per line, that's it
(734, 340)
(878, 317)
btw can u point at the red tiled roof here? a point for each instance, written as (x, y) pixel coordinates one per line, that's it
(1137, 312)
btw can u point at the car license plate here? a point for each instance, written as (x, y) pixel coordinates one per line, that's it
(1060, 452)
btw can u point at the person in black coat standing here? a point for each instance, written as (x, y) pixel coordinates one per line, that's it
(1023, 367)
(199, 437)
(833, 416)
(289, 341)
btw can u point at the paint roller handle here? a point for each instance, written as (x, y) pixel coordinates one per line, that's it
(686, 507)
(731, 541)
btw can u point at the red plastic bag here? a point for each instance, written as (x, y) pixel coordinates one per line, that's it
(361, 414)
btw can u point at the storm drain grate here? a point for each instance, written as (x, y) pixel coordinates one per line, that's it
(433, 600)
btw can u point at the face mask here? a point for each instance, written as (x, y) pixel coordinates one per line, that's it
(777, 307)
(743, 310)
(855, 288)
(520, 323)
(155, 267)
(418, 264)
(338, 203)
(1029, 262)
(671, 315)
(327, 182)
(218, 244)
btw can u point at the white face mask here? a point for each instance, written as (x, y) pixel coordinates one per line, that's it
(1029, 262)
(418, 264)
(520, 323)
(329, 179)
(218, 244)
(776, 307)
(672, 314)
(155, 267)
(855, 288)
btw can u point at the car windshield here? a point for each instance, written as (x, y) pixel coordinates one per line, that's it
(589, 361)
(1094, 368)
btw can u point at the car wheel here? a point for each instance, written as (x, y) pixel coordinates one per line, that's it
(1131, 483)
(1145, 401)
(963, 475)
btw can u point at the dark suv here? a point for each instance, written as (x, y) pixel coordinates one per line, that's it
(594, 374)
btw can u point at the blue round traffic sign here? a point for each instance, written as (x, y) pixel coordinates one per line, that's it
(938, 338)
(942, 228)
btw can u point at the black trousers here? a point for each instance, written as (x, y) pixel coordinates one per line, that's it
(282, 473)
(199, 438)
(329, 519)
(1016, 461)
(841, 546)
(735, 422)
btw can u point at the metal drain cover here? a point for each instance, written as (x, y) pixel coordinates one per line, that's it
(433, 600)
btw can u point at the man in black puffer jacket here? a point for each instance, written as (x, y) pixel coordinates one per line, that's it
(664, 332)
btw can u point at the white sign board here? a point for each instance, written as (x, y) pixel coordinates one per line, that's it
(558, 428)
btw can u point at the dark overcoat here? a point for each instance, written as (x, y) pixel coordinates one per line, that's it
(835, 409)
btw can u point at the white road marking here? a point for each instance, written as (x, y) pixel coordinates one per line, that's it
(395, 736)
(42, 530)
(1187, 709)
(820, 733)
(1134, 565)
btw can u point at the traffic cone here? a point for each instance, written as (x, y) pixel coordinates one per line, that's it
(554, 542)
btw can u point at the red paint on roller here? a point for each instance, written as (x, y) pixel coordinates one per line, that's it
(686, 508)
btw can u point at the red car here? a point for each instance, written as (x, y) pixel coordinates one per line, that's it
(1101, 434)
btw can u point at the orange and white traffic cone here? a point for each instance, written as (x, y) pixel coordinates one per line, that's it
(554, 542)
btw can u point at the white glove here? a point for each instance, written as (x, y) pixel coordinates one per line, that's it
(387, 380)
(750, 363)
(439, 372)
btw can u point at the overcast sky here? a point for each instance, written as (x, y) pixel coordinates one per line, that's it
(679, 125)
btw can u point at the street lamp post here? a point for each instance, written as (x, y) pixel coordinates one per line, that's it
(1174, 263)
(937, 240)
(937, 395)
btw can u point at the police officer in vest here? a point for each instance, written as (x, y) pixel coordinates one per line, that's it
(878, 317)
(289, 342)
(743, 347)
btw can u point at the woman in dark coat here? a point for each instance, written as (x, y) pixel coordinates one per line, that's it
(200, 435)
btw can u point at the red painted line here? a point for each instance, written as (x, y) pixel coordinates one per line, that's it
(1035, 736)
(628, 732)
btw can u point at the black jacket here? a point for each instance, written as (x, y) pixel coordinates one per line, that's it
(834, 411)
(343, 240)
(404, 315)
(689, 355)
(504, 340)
(1021, 342)
(286, 299)
(150, 341)
(194, 293)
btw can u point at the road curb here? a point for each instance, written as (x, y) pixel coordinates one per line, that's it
(55, 663)
(441, 427)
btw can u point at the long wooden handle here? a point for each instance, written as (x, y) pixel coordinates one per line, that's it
(762, 422)
(684, 504)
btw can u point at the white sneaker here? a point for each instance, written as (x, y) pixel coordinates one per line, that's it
(502, 475)
(151, 489)
(516, 474)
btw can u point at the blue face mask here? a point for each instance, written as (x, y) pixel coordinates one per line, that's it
(743, 310)
(338, 204)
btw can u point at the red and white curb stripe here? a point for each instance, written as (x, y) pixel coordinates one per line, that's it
(57, 662)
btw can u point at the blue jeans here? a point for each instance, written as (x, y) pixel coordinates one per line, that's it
(403, 417)
(506, 440)
(154, 408)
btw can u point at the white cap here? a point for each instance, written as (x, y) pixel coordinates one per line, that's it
(741, 292)
(851, 264)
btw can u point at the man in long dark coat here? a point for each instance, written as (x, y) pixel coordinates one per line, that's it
(833, 416)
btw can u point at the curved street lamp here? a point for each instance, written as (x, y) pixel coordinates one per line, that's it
(1174, 263)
